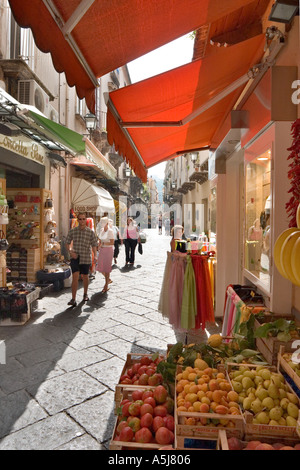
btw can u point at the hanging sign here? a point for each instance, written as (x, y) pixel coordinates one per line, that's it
(24, 147)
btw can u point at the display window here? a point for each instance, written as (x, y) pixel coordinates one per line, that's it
(258, 216)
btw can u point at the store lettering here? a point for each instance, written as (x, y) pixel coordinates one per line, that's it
(295, 95)
(35, 155)
(17, 147)
(21, 148)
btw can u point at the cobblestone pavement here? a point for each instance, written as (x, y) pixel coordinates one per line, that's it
(62, 366)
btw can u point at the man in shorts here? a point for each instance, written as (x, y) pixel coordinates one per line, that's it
(80, 241)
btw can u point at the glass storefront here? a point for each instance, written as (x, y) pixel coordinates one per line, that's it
(258, 215)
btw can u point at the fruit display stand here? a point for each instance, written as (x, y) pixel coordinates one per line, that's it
(269, 346)
(284, 359)
(207, 423)
(256, 410)
(16, 304)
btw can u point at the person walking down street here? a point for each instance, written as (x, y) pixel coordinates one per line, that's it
(130, 239)
(117, 242)
(160, 224)
(106, 251)
(80, 243)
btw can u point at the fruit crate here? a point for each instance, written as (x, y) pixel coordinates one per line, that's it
(202, 443)
(266, 430)
(123, 392)
(283, 364)
(200, 428)
(116, 444)
(133, 359)
(225, 443)
(269, 347)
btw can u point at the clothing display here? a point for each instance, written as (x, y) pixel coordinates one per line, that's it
(186, 294)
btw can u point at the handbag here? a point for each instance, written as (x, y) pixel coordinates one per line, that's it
(140, 248)
(143, 237)
(20, 197)
(48, 202)
(35, 199)
(3, 242)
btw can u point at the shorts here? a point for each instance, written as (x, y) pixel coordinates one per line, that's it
(82, 268)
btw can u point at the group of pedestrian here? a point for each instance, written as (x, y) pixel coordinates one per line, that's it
(84, 244)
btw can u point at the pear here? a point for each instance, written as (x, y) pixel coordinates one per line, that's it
(249, 373)
(272, 422)
(290, 421)
(293, 398)
(268, 403)
(256, 406)
(237, 386)
(293, 410)
(265, 374)
(263, 418)
(282, 421)
(251, 391)
(236, 373)
(247, 383)
(276, 413)
(261, 393)
(239, 378)
(258, 380)
(267, 384)
(273, 391)
(252, 396)
(276, 401)
(247, 403)
(276, 380)
(284, 402)
(282, 393)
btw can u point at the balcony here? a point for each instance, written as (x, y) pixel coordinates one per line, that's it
(200, 173)
(186, 187)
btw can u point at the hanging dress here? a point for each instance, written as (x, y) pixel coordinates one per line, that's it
(205, 310)
(163, 304)
(176, 288)
(189, 297)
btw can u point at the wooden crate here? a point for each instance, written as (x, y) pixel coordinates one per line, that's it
(269, 347)
(283, 364)
(121, 445)
(223, 444)
(202, 443)
(206, 430)
(263, 430)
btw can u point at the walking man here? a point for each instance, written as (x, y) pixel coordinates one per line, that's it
(80, 241)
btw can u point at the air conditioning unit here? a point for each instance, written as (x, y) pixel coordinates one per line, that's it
(29, 92)
(52, 114)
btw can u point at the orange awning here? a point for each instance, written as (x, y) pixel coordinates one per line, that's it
(89, 38)
(180, 110)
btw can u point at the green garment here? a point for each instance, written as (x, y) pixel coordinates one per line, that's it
(238, 314)
(189, 297)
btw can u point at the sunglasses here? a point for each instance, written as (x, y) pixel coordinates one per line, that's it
(81, 219)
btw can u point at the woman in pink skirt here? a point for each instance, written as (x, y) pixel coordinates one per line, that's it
(106, 251)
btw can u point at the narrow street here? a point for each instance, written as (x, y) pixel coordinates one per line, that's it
(62, 366)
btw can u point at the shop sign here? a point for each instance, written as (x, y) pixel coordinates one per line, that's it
(25, 148)
(85, 208)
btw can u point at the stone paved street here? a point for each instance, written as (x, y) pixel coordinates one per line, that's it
(57, 386)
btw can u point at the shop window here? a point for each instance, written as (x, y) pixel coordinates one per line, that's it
(258, 214)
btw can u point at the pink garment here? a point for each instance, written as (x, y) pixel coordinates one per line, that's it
(176, 288)
(105, 256)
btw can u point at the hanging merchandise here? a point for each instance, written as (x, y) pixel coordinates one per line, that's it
(49, 202)
(186, 295)
(3, 241)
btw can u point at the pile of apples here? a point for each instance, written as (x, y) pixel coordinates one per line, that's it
(206, 391)
(266, 395)
(237, 444)
(147, 417)
(143, 372)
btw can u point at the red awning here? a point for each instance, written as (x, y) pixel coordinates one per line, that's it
(180, 110)
(89, 38)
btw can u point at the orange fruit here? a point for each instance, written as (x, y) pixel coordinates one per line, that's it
(187, 404)
(197, 405)
(191, 397)
(233, 396)
(222, 410)
(186, 388)
(213, 406)
(190, 421)
(206, 378)
(208, 371)
(201, 381)
(192, 376)
(220, 375)
(205, 400)
(185, 374)
(200, 394)
(193, 388)
(204, 408)
(216, 396)
(209, 394)
(224, 385)
(233, 404)
(181, 408)
(179, 377)
(213, 385)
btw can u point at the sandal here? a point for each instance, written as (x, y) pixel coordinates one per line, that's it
(105, 289)
(85, 298)
(72, 302)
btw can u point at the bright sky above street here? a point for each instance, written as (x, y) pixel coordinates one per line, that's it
(168, 57)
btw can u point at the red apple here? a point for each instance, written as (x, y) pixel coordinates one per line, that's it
(124, 401)
(136, 367)
(153, 380)
(146, 420)
(169, 404)
(143, 435)
(150, 401)
(137, 395)
(126, 381)
(134, 409)
(121, 425)
(130, 373)
(142, 370)
(160, 394)
(169, 422)
(150, 371)
(146, 408)
(146, 394)
(163, 436)
(126, 434)
(160, 410)
(145, 360)
(143, 380)
(158, 422)
(125, 409)
(134, 423)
